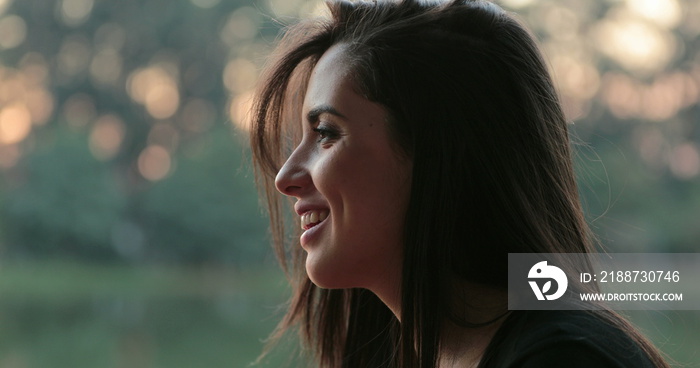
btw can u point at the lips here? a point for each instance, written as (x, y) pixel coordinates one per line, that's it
(312, 218)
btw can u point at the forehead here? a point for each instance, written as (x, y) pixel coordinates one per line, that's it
(330, 79)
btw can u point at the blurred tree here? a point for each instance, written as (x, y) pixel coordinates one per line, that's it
(131, 158)
(208, 209)
(64, 203)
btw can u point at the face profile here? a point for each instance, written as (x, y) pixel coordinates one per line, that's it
(420, 143)
(350, 181)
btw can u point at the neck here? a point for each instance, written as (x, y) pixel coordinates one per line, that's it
(479, 311)
(464, 347)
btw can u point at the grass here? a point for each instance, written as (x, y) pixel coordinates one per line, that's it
(62, 314)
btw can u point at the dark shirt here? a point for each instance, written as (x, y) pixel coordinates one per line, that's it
(570, 339)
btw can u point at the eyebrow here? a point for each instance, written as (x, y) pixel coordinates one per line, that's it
(313, 114)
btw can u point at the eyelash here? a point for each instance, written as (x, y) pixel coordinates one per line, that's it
(325, 133)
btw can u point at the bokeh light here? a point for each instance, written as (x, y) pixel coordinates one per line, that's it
(27, 87)
(106, 137)
(3, 5)
(659, 100)
(242, 24)
(154, 163)
(285, 8)
(516, 4)
(15, 123)
(79, 110)
(13, 31)
(156, 89)
(240, 75)
(40, 104)
(666, 13)
(577, 82)
(106, 67)
(685, 161)
(239, 110)
(640, 47)
(75, 12)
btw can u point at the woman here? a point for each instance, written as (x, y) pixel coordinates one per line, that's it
(420, 144)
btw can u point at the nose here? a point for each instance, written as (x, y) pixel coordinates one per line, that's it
(293, 179)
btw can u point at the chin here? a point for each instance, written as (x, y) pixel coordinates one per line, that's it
(328, 276)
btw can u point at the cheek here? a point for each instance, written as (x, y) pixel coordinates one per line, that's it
(363, 179)
(329, 177)
(338, 176)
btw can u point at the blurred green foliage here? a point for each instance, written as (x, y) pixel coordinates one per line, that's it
(208, 206)
(108, 175)
(65, 204)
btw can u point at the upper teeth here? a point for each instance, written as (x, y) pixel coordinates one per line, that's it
(313, 217)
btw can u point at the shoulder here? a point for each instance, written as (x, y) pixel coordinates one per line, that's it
(562, 339)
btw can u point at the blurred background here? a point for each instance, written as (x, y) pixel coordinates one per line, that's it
(130, 229)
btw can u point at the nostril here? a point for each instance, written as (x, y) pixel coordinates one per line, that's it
(291, 190)
(291, 183)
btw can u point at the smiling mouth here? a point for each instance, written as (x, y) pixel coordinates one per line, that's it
(313, 218)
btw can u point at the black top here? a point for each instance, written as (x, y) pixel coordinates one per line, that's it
(571, 339)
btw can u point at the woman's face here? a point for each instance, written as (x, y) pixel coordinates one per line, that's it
(350, 181)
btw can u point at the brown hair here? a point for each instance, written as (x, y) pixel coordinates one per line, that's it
(471, 102)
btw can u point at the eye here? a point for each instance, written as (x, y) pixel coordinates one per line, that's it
(325, 134)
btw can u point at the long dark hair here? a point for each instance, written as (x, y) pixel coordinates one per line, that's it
(470, 101)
